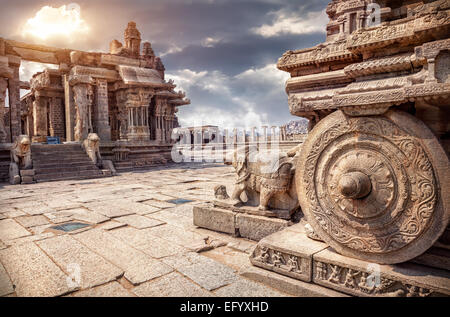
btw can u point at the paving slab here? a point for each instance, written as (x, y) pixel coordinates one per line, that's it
(32, 221)
(33, 273)
(83, 214)
(6, 286)
(110, 225)
(134, 207)
(113, 289)
(168, 216)
(138, 266)
(148, 243)
(10, 230)
(73, 256)
(204, 271)
(247, 288)
(171, 285)
(158, 204)
(140, 222)
(108, 210)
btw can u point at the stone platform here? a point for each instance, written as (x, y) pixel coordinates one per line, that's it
(239, 224)
(291, 253)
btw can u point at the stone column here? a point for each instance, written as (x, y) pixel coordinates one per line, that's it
(101, 113)
(254, 134)
(14, 103)
(273, 133)
(265, 132)
(235, 135)
(82, 97)
(40, 119)
(225, 132)
(69, 109)
(3, 87)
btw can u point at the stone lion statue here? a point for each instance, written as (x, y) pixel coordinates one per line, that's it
(92, 147)
(21, 152)
(266, 178)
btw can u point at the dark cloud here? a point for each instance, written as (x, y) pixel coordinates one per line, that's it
(215, 40)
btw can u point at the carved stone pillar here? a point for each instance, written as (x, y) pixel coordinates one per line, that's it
(254, 134)
(69, 109)
(101, 113)
(265, 132)
(14, 103)
(40, 119)
(83, 94)
(137, 102)
(3, 86)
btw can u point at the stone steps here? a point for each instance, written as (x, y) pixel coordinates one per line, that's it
(68, 175)
(5, 160)
(123, 166)
(62, 162)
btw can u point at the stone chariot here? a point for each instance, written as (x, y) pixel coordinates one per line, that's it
(372, 177)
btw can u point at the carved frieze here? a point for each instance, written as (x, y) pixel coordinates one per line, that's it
(282, 262)
(366, 282)
(318, 54)
(380, 65)
(388, 33)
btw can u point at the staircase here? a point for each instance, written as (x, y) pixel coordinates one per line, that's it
(5, 160)
(62, 162)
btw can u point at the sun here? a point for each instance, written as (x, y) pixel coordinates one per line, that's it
(62, 21)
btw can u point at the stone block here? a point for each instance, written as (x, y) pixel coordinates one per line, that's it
(106, 173)
(27, 179)
(257, 227)
(205, 216)
(27, 173)
(361, 278)
(287, 252)
(14, 177)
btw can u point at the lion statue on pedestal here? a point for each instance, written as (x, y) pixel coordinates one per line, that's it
(21, 152)
(92, 147)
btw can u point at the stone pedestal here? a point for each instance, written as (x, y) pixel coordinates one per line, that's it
(27, 176)
(240, 224)
(291, 253)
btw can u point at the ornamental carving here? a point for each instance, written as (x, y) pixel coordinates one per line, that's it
(367, 185)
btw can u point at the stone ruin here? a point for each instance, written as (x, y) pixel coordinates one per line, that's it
(122, 96)
(372, 178)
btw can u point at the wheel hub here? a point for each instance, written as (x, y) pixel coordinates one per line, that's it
(355, 185)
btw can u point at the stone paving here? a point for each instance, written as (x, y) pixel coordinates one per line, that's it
(139, 242)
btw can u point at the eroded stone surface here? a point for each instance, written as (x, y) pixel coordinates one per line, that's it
(138, 266)
(75, 258)
(9, 230)
(33, 273)
(170, 285)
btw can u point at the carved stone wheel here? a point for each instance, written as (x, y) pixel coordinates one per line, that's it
(374, 188)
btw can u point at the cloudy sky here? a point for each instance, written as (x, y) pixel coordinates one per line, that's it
(221, 52)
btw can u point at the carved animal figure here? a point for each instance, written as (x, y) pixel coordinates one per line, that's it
(263, 174)
(220, 192)
(21, 152)
(92, 147)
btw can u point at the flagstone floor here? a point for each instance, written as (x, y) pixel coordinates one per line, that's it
(138, 242)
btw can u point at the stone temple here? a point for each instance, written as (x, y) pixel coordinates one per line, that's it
(122, 96)
(360, 206)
